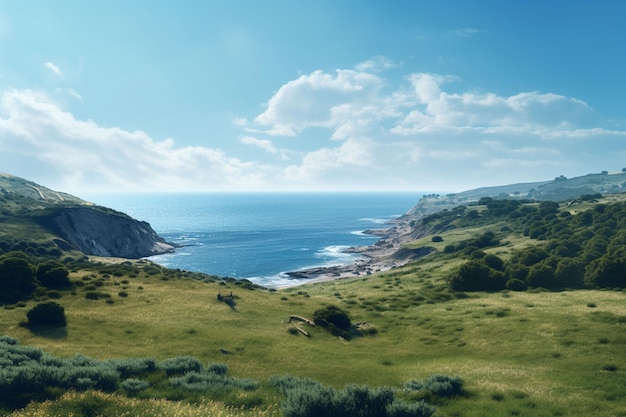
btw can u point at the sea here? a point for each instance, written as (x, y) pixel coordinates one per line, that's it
(261, 236)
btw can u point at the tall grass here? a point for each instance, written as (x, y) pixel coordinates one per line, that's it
(529, 353)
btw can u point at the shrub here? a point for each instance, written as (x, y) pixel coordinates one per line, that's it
(437, 239)
(180, 365)
(18, 279)
(516, 285)
(133, 385)
(332, 316)
(401, 408)
(47, 314)
(132, 367)
(218, 368)
(476, 275)
(53, 274)
(307, 398)
(210, 381)
(92, 295)
(438, 385)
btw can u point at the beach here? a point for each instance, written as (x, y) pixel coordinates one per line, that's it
(381, 256)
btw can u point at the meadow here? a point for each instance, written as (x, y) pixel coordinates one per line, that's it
(519, 353)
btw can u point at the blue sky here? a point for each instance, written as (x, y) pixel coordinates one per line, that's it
(305, 96)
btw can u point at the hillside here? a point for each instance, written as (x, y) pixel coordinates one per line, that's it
(58, 221)
(559, 189)
(145, 340)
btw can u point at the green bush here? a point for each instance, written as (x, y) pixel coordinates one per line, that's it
(307, 398)
(17, 277)
(401, 408)
(47, 314)
(29, 373)
(438, 385)
(180, 365)
(210, 381)
(332, 316)
(476, 275)
(133, 385)
(53, 274)
(133, 367)
(448, 249)
(515, 284)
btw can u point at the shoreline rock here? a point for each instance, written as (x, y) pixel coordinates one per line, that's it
(385, 254)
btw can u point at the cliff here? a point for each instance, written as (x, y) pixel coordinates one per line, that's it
(72, 223)
(101, 232)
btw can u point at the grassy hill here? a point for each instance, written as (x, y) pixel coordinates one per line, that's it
(519, 353)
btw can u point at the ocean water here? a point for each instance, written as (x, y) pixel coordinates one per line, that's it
(260, 236)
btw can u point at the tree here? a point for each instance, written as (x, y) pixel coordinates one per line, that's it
(476, 275)
(47, 314)
(53, 274)
(494, 262)
(569, 273)
(541, 275)
(17, 279)
(530, 256)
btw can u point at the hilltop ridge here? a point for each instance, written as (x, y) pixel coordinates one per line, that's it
(61, 220)
(389, 251)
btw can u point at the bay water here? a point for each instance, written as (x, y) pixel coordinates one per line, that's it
(260, 236)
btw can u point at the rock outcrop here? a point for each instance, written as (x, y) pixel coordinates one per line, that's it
(104, 232)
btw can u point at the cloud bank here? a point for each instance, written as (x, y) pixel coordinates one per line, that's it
(350, 129)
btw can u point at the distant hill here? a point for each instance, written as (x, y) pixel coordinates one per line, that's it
(559, 189)
(29, 189)
(39, 220)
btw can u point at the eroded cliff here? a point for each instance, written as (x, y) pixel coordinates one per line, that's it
(103, 232)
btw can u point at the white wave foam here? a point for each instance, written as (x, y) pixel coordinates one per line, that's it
(336, 255)
(377, 220)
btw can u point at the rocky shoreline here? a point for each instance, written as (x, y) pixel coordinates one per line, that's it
(387, 253)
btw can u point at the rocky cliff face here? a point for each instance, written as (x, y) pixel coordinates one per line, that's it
(102, 232)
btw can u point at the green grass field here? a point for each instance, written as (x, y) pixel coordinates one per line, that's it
(519, 353)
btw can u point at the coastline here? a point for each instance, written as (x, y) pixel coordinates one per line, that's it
(383, 255)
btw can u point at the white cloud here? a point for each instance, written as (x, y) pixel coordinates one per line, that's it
(264, 144)
(419, 127)
(77, 153)
(240, 121)
(54, 69)
(309, 100)
(465, 32)
(377, 63)
(70, 92)
(348, 129)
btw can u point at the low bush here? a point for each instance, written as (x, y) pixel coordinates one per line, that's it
(210, 381)
(332, 316)
(180, 365)
(134, 385)
(307, 398)
(29, 374)
(53, 274)
(438, 385)
(515, 284)
(47, 314)
(133, 367)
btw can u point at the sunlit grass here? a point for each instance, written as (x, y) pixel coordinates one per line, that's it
(96, 403)
(519, 353)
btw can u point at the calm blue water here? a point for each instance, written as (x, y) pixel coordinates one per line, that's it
(260, 236)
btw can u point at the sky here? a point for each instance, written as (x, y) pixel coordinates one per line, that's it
(285, 95)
